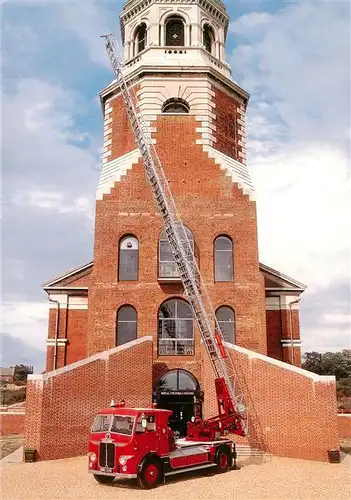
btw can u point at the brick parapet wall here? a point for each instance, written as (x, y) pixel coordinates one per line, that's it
(344, 425)
(293, 412)
(61, 405)
(12, 422)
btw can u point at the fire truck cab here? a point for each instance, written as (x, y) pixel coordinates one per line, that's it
(138, 443)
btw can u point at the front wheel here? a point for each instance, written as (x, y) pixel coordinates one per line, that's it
(150, 475)
(103, 479)
(223, 459)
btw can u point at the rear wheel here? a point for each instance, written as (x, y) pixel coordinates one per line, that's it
(150, 475)
(223, 459)
(103, 479)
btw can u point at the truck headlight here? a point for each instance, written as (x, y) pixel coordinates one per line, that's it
(123, 460)
(92, 457)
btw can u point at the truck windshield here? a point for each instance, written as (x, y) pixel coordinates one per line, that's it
(122, 425)
(101, 423)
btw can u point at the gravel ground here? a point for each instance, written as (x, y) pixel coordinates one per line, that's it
(275, 478)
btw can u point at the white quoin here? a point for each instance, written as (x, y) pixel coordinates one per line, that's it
(174, 25)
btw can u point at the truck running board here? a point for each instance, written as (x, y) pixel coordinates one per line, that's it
(188, 469)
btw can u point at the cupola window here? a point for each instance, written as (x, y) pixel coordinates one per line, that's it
(175, 106)
(140, 38)
(175, 32)
(208, 38)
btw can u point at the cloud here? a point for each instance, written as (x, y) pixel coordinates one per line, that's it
(23, 318)
(14, 350)
(296, 64)
(50, 173)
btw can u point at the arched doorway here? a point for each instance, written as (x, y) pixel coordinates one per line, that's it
(178, 390)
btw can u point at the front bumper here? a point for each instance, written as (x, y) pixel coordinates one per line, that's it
(116, 475)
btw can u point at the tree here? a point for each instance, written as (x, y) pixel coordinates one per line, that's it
(21, 372)
(329, 363)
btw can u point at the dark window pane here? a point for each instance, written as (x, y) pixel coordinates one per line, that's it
(168, 382)
(167, 328)
(226, 320)
(166, 254)
(127, 331)
(128, 265)
(186, 382)
(225, 314)
(184, 310)
(175, 107)
(227, 330)
(175, 329)
(175, 32)
(223, 243)
(208, 38)
(127, 313)
(185, 348)
(223, 265)
(167, 309)
(141, 37)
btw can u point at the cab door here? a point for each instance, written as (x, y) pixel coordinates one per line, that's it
(145, 434)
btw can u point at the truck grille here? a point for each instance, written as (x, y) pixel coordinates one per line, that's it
(107, 455)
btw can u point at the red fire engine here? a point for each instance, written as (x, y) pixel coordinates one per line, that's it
(137, 443)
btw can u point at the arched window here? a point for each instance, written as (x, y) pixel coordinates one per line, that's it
(223, 259)
(167, 267)
(175, 105)
(175, 329)
(128, 259)
(140, 39)
(175, 31)
(126, 330)
(208, 38)
(226, 320)
(177, 381)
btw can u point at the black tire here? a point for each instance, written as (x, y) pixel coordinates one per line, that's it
(150, 475)
(103, 479)
(223, 459)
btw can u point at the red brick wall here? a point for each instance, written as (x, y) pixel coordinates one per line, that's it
(274, 334)
(205, 196)
(77, 324)
(293, 413)
(11, 423)
(61, 405)
(226, 132)
(122, 134)
(344, 425)
(73, 327)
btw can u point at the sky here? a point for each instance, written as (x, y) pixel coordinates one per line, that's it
(294, 60)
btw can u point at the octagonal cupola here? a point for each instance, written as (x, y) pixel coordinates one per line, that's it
(174, 33)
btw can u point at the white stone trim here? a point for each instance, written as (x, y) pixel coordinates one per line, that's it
(60, 342)
(281, 303)
(289, 343)
(196, 91)
(68, 302)
(235, 170)
(327, 379)
(105, 355)
(112, 172)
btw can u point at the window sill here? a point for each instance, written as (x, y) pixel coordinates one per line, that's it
(169, 280)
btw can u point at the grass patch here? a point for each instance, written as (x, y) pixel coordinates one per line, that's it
(9, 444)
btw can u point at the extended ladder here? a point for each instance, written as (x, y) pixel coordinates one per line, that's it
(182, 250)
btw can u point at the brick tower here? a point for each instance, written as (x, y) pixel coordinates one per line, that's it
(175, 61)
